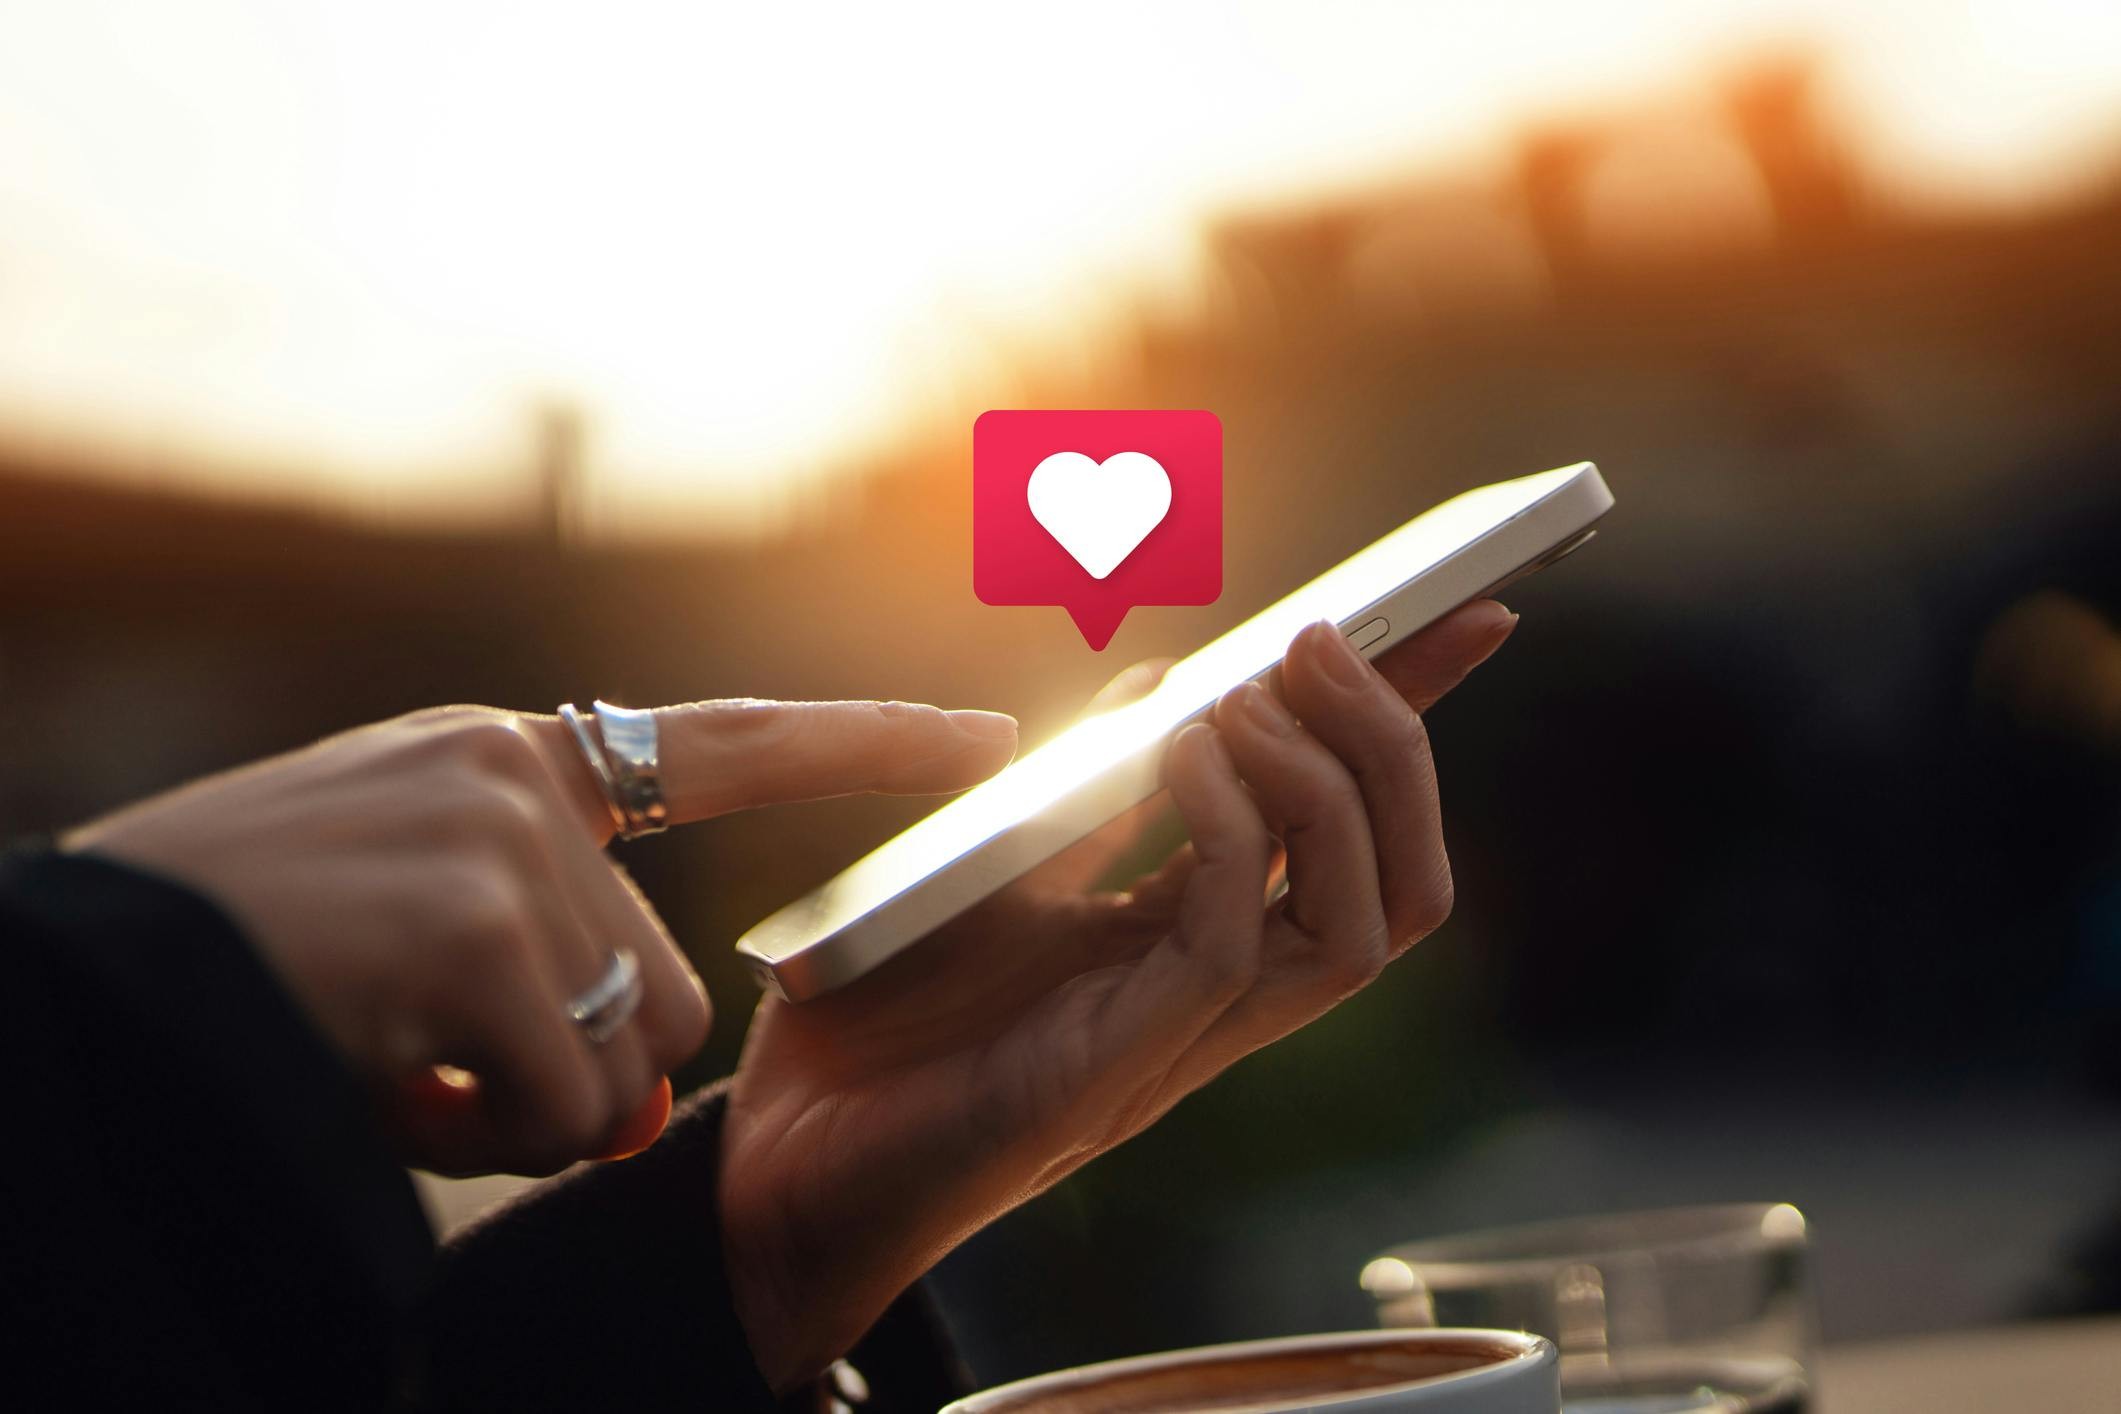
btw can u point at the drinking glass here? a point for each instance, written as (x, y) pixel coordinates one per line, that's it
(1685, 1309)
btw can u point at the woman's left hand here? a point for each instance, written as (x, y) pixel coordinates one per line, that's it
(874, 1128)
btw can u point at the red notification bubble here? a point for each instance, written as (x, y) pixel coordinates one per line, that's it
(1097, 512)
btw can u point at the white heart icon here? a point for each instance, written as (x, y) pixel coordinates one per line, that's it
(1099, 511)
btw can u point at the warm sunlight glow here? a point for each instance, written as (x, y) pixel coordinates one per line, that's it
(1108, 762)
(343, 250)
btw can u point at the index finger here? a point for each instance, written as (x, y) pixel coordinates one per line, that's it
(741, 753)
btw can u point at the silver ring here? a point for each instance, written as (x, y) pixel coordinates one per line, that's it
(630, 754)
(611, 1000)
(593, 753)
(620, 744)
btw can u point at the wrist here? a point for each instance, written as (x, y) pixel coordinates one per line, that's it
(787, 1321)
(806, 1291)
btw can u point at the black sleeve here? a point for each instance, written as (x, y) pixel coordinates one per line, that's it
(601, 1289)
(197, 1210)
(605, 1288)
(194, 1211)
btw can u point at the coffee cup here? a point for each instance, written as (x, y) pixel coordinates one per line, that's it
(1358, 1372)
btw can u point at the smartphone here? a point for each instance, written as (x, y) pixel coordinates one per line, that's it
(1468, 547)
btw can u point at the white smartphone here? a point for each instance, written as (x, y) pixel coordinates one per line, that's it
(1045, 801)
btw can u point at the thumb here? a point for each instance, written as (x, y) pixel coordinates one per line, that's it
(1076, 868)
(741, 753)
(1132, 684)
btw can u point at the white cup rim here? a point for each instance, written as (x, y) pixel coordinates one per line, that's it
(1525, 1351)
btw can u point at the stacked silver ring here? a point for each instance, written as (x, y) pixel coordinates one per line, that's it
(620, 745)
(611, 1000)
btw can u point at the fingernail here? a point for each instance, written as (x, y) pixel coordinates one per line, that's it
(987, 726)
(1343, 664)
(1261, 710)
(1140, 678)
(1500, 633)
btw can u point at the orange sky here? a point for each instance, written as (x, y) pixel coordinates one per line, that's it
(364, 240)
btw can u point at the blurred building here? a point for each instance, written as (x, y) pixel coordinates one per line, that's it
(1729, 806)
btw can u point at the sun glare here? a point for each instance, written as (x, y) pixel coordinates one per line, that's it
(339, 252)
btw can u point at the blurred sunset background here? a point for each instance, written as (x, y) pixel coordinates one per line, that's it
(357, 358)
(330, 254)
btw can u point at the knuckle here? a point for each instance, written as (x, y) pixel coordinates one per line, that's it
(512, 816)
(908, 715)
(1430, 907)
(1242, 846)
(1337, 794)
(893, 740)
(480, 808)
(1406, 735)
(1257, 854)
(1354, 966)
(435, 717)
(1326, 812)
(1318, 786)
(754, 724)
(497, 745)
(489, 917)
(758, 731)
(1442, 899)
(1228, 969)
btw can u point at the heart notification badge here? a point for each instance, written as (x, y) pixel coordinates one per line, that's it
(1097, 512)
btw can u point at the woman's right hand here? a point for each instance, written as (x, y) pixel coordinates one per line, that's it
(433, 890)
(872, 1129)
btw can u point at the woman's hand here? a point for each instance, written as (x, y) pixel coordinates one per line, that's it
(433, 889)
(874, 1128)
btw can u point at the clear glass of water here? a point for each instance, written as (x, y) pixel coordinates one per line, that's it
(1685, 1309)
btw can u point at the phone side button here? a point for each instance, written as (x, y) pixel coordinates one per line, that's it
(1368, 635)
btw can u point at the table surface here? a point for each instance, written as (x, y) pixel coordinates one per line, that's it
(2055, 1367)
(2052, 1367)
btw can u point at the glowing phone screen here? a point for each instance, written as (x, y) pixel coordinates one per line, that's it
(1039, 778)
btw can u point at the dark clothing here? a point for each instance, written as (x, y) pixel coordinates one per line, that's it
(198, 1211)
